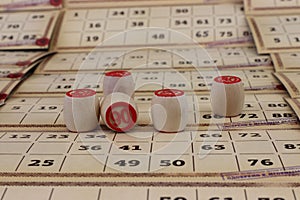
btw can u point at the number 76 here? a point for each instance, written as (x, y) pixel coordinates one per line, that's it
(265, 162)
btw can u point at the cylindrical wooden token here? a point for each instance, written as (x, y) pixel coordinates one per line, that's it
(169, 110)
(81, 110)
(119, 112)
(227, 96)
(118, 81)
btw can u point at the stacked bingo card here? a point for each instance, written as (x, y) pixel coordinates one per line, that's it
(257, 7)
(6, 87)
(105, 3)
(164, 44)
(195, 192)
(14, 67)
(27, 30)
(260, 110)
(167, 58)
(13, 5)
(210, 25)
(260, 80)
(15, 63)
(295, 105)
(286, 62)
(291, 82)
(224, 156)
(276, 33)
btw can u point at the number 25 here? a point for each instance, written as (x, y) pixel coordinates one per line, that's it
(45, 163)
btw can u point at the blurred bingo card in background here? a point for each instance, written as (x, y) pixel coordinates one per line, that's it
(13, 5)
(14, 67)
(266, 7)
(209, 25)
(27, 30)
(222, 58)
(276, 33)
(261, 80)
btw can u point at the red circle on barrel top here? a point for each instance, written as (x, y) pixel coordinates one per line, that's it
(81, 93)
(228, 79)
(55, 2)
(132, 114)
(169, 93)
(118, 73)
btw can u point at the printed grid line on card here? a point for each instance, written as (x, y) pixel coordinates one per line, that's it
(209, 25)
(150, 152)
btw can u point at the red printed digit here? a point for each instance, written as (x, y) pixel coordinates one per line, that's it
(125, 115)
(115, 118)
(121, 116)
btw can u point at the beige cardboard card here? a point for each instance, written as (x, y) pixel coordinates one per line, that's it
(27, 30)
(275, 33)
(209, 25)
(286, 62)
(46, 113)
(185, 58)
(144, 192)
(16, 64)
(291, 82)
(267, 7)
